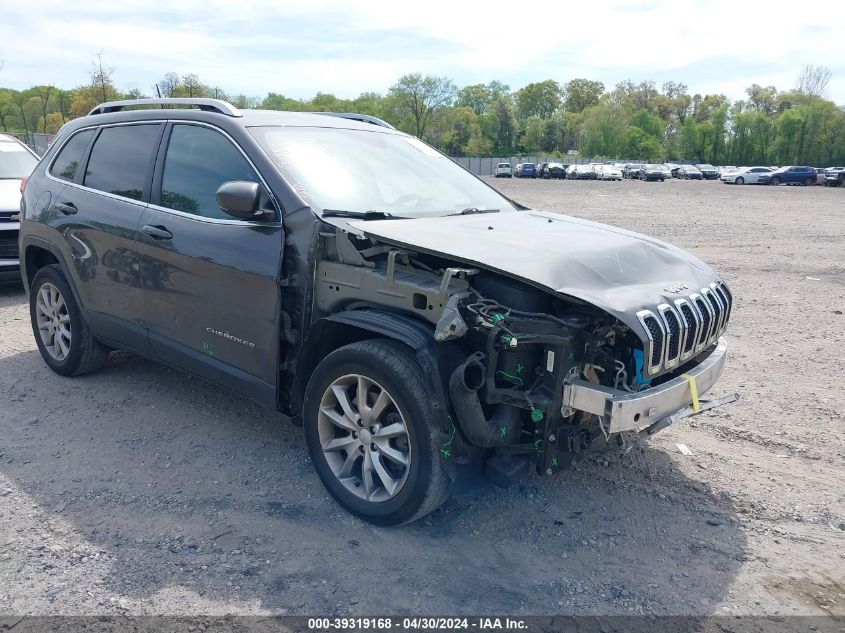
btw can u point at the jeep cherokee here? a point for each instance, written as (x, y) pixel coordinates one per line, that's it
(414, 320)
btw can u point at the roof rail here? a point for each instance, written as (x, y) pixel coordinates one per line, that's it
(207, 105)
(364, 118)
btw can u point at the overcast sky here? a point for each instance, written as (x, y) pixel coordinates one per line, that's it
(298, 48)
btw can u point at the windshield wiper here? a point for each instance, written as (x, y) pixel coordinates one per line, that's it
(474, 210)
(360, 215)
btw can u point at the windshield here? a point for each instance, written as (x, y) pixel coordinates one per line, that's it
(653, 167)
(15, 162)
(708, 167)
(359, 171)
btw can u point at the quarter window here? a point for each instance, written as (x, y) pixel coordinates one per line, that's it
(121, 159)
(67, 160)
(198, 161)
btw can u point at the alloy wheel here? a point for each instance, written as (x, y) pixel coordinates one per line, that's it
(364, 438)
(53, 321)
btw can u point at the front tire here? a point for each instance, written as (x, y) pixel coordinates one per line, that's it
(378, 456)
(776, 180)
(63, 337)
(740, 181)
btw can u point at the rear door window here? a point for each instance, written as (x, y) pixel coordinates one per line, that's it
(122, 158)
(67, 160)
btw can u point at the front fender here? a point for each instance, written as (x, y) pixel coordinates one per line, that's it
(437, 360)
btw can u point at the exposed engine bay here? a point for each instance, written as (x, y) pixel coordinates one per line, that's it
(534, 379)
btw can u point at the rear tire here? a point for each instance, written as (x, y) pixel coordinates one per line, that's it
(63, 337)
(384, 477)
(808, 182)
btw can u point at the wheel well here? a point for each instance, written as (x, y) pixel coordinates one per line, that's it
(35, 259)
(324, 338)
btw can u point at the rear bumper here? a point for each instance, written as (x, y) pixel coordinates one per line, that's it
(624, 411)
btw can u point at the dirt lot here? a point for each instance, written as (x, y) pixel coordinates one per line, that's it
(144, 490)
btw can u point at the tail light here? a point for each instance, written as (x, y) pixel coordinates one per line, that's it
(23, 183)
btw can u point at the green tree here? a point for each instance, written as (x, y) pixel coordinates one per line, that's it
(649, 123)
(604, 130)
(640, 144)
(481, 97)
(541, 99)
(8, 112)
(275, 101)
(421, 96)
(580, 94)
(505, 135)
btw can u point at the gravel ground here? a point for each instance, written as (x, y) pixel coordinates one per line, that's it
(142, 490)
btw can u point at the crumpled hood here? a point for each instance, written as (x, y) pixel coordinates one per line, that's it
(619, 271)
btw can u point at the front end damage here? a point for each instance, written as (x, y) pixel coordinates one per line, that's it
(535, 378)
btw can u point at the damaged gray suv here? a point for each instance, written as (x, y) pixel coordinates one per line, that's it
(415, 321)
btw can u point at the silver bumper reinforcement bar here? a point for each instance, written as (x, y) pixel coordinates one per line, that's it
(655, 408)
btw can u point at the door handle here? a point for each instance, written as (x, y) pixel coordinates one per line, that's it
(67, 208)
(157, 232)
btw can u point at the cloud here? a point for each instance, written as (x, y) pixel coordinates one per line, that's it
(256, 46)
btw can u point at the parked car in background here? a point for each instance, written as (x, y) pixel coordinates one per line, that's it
(819, 175)
(708, 172)
(631, 170)
(667, 173)
(526, 170)
(553, 170)
(689, 172)
(834, 176)
(651, 171)
(16, 164)
(791, 175)
(724, 169)
(608, 172)
(581, 172)
(503, 170)
(744, 175)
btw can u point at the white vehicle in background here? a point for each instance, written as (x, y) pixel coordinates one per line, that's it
(503, 170)
(744, 175)
(667, 171)
(16, 163)
(608, 172)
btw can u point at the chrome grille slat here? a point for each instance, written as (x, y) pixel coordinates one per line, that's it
(707, 295)
(729, 297)
(672, 325)
(726, 306)
(692, 326)
(679, 331)
(719, 306)
(653, 352)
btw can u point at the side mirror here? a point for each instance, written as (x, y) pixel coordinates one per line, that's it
(240, 198)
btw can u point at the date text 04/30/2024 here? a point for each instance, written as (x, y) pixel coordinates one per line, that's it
(417, 624)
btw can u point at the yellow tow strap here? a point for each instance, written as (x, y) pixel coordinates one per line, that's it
(696, 407)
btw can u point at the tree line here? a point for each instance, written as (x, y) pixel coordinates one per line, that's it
(637, 120)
